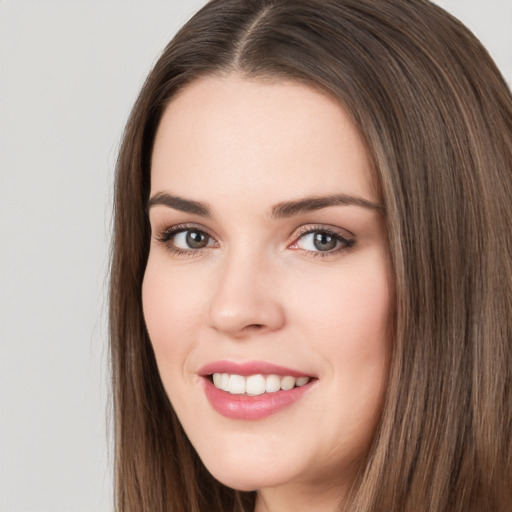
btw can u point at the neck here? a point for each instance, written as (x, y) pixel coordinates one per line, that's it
(299, 499)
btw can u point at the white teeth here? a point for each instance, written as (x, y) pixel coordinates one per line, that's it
(273, 384)
(288, 383)
(217, 379)
(236, 384)
(256, 384)
(224, 382)
(301, 381)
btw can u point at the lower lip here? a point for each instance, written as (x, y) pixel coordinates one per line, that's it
(244, 407)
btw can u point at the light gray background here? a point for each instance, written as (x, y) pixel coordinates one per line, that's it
(69, 73)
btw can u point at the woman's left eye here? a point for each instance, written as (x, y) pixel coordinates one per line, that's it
(322, 241)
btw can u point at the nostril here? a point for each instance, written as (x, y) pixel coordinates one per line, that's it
(248, 313)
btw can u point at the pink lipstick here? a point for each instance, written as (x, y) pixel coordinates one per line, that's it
(252, 390)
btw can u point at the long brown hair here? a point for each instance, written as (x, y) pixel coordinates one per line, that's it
(436, 116)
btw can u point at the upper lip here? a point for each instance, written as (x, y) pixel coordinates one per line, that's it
(249, 368)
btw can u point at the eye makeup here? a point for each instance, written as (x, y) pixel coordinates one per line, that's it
(321, 241)
(186, 240)
(311, 240)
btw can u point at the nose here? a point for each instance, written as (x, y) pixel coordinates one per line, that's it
(245, 300)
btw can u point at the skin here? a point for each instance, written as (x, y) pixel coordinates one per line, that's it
(261, 290)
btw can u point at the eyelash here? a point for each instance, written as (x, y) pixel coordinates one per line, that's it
(344, 243)
(168, 235)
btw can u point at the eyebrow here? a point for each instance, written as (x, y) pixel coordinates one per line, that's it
(313, 203)
(279, 211)
(178, 203)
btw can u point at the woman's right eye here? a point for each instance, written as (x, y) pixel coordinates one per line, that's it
(191, 239)
(182, 240)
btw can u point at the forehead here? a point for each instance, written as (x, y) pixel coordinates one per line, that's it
(234, 134)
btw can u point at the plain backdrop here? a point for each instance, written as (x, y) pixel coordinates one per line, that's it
(69, 73)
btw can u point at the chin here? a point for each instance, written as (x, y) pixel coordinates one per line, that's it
(249, 471)
(247, 479)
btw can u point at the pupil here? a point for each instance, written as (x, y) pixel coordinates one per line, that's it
(196, 239)
(324, 242)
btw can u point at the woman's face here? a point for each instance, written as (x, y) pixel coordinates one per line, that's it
(267, 292)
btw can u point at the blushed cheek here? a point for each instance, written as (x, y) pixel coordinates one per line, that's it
(173, 305)
(371, 297)
(355, 310)
(356, 330)
(162, 308)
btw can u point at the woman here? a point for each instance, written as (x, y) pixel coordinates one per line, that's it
(311, 276)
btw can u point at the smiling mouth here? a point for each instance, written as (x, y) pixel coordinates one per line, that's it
(253, 390)
(254, 385)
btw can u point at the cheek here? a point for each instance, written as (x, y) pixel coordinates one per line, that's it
(171, 307)
(349, 309)
(347, 318)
